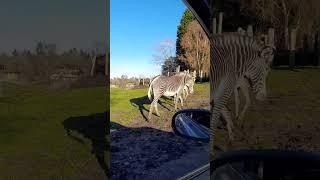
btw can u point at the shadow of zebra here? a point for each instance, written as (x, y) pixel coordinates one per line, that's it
(94, 127)
(140, 102)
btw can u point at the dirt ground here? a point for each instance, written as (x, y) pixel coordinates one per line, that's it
(136, 152)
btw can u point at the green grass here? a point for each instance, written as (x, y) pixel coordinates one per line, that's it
(34, 144)
(33, 141)
(125, 113)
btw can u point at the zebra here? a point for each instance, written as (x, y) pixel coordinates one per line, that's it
(243, 85)
(233, 57)
(188, 88)
(169, 86)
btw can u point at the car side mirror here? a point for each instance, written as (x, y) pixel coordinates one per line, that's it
(192, 124)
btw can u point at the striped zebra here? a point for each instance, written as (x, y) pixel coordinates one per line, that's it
(169, 86)
(188, 88)
(244, 86)
(235, 57)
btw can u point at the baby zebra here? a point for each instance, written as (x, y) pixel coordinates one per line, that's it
(169, 86)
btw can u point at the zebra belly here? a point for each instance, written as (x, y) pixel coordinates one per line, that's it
(169, 94)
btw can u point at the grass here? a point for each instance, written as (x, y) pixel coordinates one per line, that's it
(287, 119)
(33, 141)
(127, 113)
(34, 144)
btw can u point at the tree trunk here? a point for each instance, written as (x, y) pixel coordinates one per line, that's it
(293, 34)
(250, 30)
(214, 26)
(285, 24)
(286, 37)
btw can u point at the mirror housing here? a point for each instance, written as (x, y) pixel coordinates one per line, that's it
(192, 124)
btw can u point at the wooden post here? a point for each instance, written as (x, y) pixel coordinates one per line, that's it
(220, 22)
(270, 40)
(317, 49)
(250, 30)
(214, 26)
(293, 34)
(178, 69)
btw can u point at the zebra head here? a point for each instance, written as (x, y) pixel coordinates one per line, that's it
(190, 78)
(257, 73)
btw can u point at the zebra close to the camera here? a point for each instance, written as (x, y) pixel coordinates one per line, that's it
(169, 86)
(235, 57)
(243, 84)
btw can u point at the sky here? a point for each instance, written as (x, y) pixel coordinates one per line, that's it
(137, 27)
(67, 23)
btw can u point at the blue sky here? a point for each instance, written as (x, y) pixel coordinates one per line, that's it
(136, 28)
(68, 23)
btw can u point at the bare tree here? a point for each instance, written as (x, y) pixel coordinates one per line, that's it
(164, 51)
(197, 48)
(286, 14)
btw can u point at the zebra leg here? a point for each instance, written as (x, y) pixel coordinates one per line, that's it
(176, 102)
(185, 98)
(184, 93)
(219, 99)
(154, 103)
(237, 101)
(150, 110)
(181, 100)
(226, 115)
(156, 107)
(245, 91)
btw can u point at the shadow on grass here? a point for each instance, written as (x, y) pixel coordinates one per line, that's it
(141, 101)
(93, 127)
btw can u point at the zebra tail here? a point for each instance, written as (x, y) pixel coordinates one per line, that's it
(149, 92)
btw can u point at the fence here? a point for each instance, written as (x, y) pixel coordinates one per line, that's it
(302, 58)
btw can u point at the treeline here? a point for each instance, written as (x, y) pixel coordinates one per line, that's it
(43, 61)
(192, 48)
(285, 16)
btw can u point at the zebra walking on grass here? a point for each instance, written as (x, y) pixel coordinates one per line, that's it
(169, 86)
(233, 57)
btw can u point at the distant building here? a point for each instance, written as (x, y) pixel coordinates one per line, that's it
(67, 72)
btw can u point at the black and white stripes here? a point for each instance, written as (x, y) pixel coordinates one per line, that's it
(234, 57)
(169, 86)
